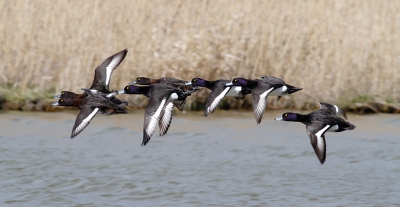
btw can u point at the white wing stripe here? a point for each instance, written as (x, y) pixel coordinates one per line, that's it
(166, 117)
(153, 122)
(337, 109)
(86, 121)
(114, 62)
(261, 103)
(217, 99)
(320, 140)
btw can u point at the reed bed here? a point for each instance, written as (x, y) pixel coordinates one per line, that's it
(335, 50)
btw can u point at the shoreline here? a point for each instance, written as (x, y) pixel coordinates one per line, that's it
(44, 105)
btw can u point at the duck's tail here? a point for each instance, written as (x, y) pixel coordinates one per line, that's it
(292, 89)
(350, 126)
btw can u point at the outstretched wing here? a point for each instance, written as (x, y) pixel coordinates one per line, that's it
(151, 117)
(103, 72)
(214, 98)
(180, 104)
(335, 109)
(166, 118)
(316, 132)
(260, 101)
(83, 119)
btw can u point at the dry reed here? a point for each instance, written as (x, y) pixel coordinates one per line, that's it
(333, 49)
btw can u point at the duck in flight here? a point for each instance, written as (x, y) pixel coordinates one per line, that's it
(260, 89)
(159, 109)
(90, 106)
(101, 81)
(178, 83)
(219, 90)
(317, 124)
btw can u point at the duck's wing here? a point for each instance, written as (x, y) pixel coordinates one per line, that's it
(180, 104)
(83, 119)
(166, 118)
(103, 72)
(335, 109)
(260, 100)
(151, 117)
(316, 132)
(214, 98)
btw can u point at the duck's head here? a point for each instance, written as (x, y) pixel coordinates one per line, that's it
(238, 82)
(64, 102)
(141, 81)
(66, 94)
(130, 89)
(288, 116)
(197, 82)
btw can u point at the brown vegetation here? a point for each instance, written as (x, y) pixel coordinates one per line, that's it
(335, 50)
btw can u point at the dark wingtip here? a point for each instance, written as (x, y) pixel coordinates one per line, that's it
(146, 138)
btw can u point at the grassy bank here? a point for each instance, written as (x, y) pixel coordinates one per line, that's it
(23, 100)
(336, 50)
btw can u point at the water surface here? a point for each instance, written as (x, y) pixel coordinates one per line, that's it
(225, 159)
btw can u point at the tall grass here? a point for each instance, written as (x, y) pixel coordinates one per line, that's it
(333, 49)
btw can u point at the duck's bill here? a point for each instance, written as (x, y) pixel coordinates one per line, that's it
(133, 82)
(55, 104)
(188, 83)
(279, 119)
(121, 92)
(229, 84)
(58, 96)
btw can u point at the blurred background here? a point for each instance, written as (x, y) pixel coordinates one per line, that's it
(342, 52)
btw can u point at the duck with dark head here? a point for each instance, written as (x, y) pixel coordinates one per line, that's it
(159, 109)
(317, 123)
(101, 81)
(260, 89)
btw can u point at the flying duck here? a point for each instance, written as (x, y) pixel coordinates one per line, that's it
(218, 91)
(317, 123)
(90, 106)
(167, 81)
(159, 109)
(261, 88)
(102, 78)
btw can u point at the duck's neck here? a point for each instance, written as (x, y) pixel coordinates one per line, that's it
(154, 81)
(80, 96)
(209, 84)
(303, 119)
(251, 84)
(144, 90)
(78, 103)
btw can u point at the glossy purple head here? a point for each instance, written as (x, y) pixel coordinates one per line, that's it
(197, 82)
(238, 82)
(130, 89)
(288, 116)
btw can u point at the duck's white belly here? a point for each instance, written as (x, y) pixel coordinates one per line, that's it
(333, 128)
(279, 91)
(234, 91)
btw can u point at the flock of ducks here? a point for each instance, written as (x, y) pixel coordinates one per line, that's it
(165, 93)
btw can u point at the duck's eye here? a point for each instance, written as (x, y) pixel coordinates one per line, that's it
(194, 79)
(62, 93)
(61, 100)
(234, 80)
(127, 88)
(284, 114)
(138, 79)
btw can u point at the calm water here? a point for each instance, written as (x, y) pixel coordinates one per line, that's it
(222, 160)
